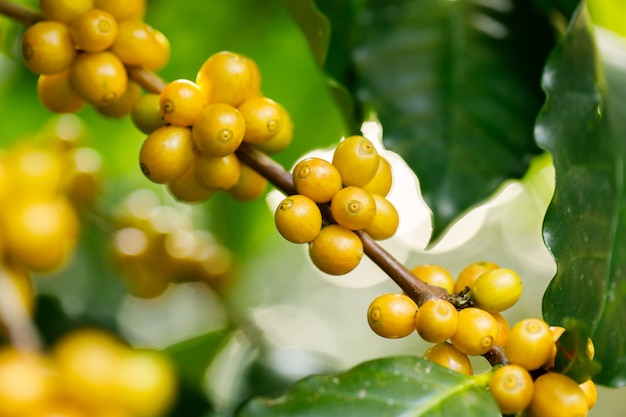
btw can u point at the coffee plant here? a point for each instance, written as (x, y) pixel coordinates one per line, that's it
(317, 208)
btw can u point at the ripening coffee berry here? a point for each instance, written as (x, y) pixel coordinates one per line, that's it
(125, 104)
(436, 320)
(251, 184)
(99, 78)
(166, 154)
(470, 274)
(512, 387)
(530, 343)
(385, 221)
(357, 160)
(497, 290)
(433, 274)
(181, 102)
(218, 173)
(336, 250)
(382, 179)
(263, 117)
(94, 30)
(228, 77)
(218, 130)
(476, 332)
(282, 139)
(298, 219)
(353, 208)
(448, 356)
(123, 9)
(591, 392)
(317, 179)
(503, 329)
(392, 315)
(139, 44)
(557, 395)
(188, 189)
(56, 93)
(64, 10)
(146, 113)
(47, 47)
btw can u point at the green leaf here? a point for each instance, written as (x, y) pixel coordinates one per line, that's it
(572, 355)
(313, 24)
(585, 226)
(193, 356)
(395, 386)
(456, 88)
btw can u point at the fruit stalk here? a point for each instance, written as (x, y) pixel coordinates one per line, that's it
(14, 317)
(20, 13)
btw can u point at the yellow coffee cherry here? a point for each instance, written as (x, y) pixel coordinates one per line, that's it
(353, 208)
(100, 78)
(124, 105)
(139, 44)
(392, 315)
(123, 9)
(36, 168)
(218, 173)
(433, 274)
(503, 329)
(188, 189)
(336, 250)
(251, 185)
(448, 356)
(357, 160)
(436, 321)
(316, 178)
(218, 129)
(512, 387)
(386, 220)
(497, 290)
(263, 117)
(557, 395)
(166, 154)
(94, 30)
(85, 177)
(298, 219)
(146, 113)
(591, 392)
(47, 47)
(476, 332)
(56, 93)
(64, 10)
(282, 139)
(382, 180)
(470, 274)
(530, 343)
(228, 77)
(181, 102)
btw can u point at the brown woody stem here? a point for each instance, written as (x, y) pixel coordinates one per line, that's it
(21, 13)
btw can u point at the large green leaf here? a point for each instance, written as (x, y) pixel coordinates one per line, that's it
(582, 125)
(396, 386)
(456, 87)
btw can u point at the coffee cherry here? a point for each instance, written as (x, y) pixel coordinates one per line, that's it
(181, 101)
(470, 273)
(557, 395)
(433, 274)
(392, 315)
(99, 78)
(353, 208)
(282, 139)
(436, 320)
(251, 185)
(497, 290)
(336, 250)
(382, 179)
(512, 387)
(35, 168)
(139, 44)
(56, 93)
(316, 178)
(357, 160)
(503, 329)
(64, 10)
(218, 129)
(218, 173)
(530, 343)
(476, 332)
(94, 30)
(263, 117)
(386, 220)
(298, 219)
(448, 356)
(26, 382)
(166, 154)
(227, 77)
(47, 47)
(591, 392)
(188, 189)
(146, 113)
(85, 176)
(123, 9)
(124, 105)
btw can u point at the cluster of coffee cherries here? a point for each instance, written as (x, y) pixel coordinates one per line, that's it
(46, 180)
(89, 372)
(527, 381)
(195, 127)
(335, 199)
(155, 245)
(81, 49)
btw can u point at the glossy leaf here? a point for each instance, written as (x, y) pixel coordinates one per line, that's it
(396, 386)
(572, 356)
(585, 226)
(314, 24)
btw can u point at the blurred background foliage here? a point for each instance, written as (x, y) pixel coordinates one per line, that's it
(279, 320)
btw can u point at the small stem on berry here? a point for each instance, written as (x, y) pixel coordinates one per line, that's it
(21, 13)
(147, 79)
(20, 329)
(496, 356)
